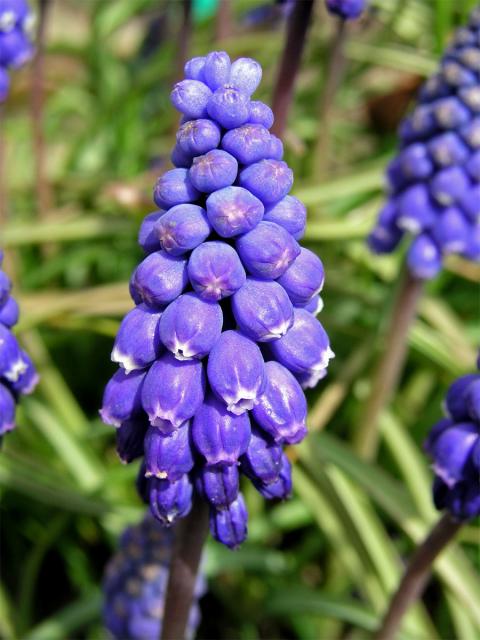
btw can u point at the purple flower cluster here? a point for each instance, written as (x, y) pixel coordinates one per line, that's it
(346, 9)
(135, 584)
(15, 45)
(454, 446)
(434, 180)
(17, 373)
(224, 336)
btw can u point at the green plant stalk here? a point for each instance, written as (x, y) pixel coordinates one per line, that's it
(416, 575)
(298, 24)
(390, 365)
(334, 75)
(189, 540)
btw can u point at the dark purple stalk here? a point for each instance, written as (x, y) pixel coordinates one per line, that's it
(184, 37)
(223, 27)
(190, 538)
(416, 575)
(334, 75)
(390, 365)
(44, 194)
(298, 24)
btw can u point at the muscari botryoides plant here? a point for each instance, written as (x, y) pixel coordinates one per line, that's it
(224, 334)
(434, 180)
(135, 583)
(17, 373)
(15, 46)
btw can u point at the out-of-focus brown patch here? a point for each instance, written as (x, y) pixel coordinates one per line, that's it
(387, 110)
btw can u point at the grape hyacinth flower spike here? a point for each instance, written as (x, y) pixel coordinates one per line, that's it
(223, 338)
(346, 9)
(453, 444)
(433, 200)
(17, 373)
(434, 180)
(15, 46)
(135, 584)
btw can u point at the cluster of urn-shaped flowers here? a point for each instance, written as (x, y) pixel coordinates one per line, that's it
(17, 373)
(224, 333)
(454, 446)
(434, 181)
(346, 9)
(135, 584)
(15, 45)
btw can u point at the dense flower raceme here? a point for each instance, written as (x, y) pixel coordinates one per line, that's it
(15, 45)
(17, 373)
(434, 181)
(454, 446)
(224, 336)
(346, 9)
(135, 584)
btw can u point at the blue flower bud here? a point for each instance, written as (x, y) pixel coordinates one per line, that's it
(5, 287)
(191, 98)
(130, 437)
(229, 107)
(260, 113)
(9, 312)
(169, 500)
(219, 484)
(305, 349)
(314, 306)
(290, 214)
(168, 457)
(194, 68)
(15, 48)
(448, 149)
(7, 410)
(236, 371)
(451, 450)
(456, 75)
(180, 159)
(248, 143)
(281, 489)
(182, 228)
(470, 133)
(137, 343)
(12, 365)
(346, 9)
(173, 390)
(416, 211)
(267, 251)
(473, 404)
(448, 185)
(451, 231)
(262, 309)
(190, 326)
(233, 211)
(147, 236)
(456, 398)
(229, 526)
(262, 460)
(215, 270)
(219, 435)
(415, 162)
(424, 258)
(197, 137)
(159, 278)
(472, 252)
(214, 170)
(469, 203)
(304, 278)
(450, 113)
(269, 180)
(174, 187)
(281, 410)
(28, 378)
(246, 75)
(122, 397)
(216, 71)
(472, 166)
(275, 149)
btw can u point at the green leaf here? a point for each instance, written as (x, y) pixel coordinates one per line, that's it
(66, 622)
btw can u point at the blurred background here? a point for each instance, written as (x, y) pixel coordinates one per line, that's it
(79, 163)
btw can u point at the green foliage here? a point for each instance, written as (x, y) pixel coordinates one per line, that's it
(324, 564)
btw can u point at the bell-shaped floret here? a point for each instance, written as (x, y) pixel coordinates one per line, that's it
(169, 500)
(233, 211)
(267, 250)
(214, 170)
(229, 526)
(215, 270)
(262, 460)
(269, 180)
(174, 187)
(219, 484)
(122, 397)
(290, 214)
(191, 98)
(304, 278)
(168, 456)
(229, 107)
(159, 279)
(182, 228)
(138, 342)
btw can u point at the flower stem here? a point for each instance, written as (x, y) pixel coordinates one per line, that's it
(224, 24)
(334, 75)
(44, 194)
(416, 575)
(389, 366)
(187, 552)
(298, 24)
(184, 37)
